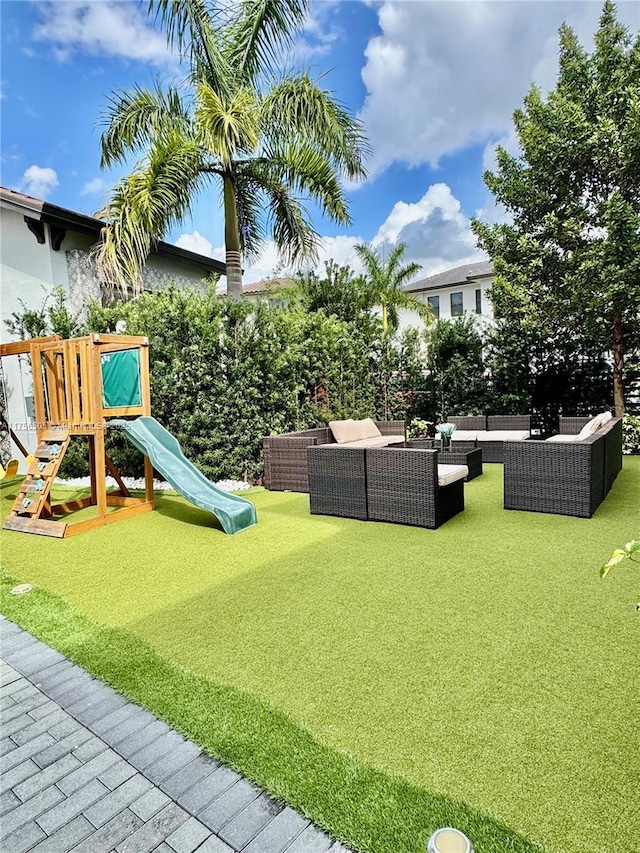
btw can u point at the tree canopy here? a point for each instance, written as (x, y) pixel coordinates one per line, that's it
(272, 140)
(568, 263)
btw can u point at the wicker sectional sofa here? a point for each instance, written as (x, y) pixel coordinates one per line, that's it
(489, 432)
(285, 456)
(566, 478)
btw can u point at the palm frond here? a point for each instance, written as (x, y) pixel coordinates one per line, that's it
(193, 27)
(296, 108)
(134, 118)
(227, 127)
(255, 43)
(307, 170)
(143, 206)
(249, 208)
(287, 219)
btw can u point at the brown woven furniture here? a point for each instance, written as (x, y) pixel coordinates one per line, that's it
(469, 456)
(337, 481)
(492, 450)
(393, 484)
(285, 456)
(566, 479)
(402, 487)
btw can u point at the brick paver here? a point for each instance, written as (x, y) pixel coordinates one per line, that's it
(85, 770)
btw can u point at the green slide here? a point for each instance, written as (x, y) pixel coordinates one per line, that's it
(164, 451)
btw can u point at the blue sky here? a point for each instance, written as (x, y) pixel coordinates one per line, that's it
(435, 84)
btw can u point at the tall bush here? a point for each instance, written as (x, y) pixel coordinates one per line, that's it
(226, 373)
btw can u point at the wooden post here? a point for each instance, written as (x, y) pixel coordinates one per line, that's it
(145, 385)
(99, 454)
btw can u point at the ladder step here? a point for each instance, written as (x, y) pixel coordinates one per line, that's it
(31, 508)
(31, 487)
(36, 525)
(48, 470)
(54, 433)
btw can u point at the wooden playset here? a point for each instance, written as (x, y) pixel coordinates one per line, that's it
(78, 385)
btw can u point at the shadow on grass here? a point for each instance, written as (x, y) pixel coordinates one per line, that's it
(179, 510)
(367, 809)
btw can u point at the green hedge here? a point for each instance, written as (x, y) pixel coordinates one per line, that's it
(224, 374)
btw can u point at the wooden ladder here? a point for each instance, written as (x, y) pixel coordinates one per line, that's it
(31, 510)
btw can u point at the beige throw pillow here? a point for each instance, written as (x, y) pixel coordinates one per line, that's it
(589, 428)
(367, 428)
(345, 431)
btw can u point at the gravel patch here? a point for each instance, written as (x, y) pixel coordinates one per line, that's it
(158, 485)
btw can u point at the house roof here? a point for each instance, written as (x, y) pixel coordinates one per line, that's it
(70, 220)
(263, 286)
(449, 278)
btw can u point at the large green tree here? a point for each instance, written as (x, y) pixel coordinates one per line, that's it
(269, 139)
(568, 265)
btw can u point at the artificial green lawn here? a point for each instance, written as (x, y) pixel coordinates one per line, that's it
(383, 679)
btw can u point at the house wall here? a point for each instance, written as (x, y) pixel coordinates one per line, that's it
(468, 290)
(29, 272)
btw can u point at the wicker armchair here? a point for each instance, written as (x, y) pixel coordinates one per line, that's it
(397, 484)
(337, 481)
(402, 487)
(285, 456)
(566, 479)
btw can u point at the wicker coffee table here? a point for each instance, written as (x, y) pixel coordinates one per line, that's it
(472, 458)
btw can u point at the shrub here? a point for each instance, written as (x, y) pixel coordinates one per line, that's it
(630, 435)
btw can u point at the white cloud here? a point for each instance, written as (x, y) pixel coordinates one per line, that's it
(109, 28)
(94, 187)
(195, 242)
(444, 75)
(39, 181)
(435, 229)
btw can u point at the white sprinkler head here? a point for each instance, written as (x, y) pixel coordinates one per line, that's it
(449, 840)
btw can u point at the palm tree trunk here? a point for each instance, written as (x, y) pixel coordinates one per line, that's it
(232, 240)
(618, 365)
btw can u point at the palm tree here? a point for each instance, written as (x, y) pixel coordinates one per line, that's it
(266, 140)
(386, 279)
(384, 289)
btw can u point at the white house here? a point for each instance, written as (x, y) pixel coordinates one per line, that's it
(462, 290)
(42, 247)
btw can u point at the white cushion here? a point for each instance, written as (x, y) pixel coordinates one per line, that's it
(590, 427)
(464, 435)
(376, 441)
(504, 435)
(367, 428)
(394, 439)
(448, 474)
(344, 430)
(563, 439)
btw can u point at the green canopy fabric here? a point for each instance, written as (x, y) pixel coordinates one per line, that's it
(121, 378)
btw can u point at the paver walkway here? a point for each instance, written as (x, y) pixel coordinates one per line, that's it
(85, 770)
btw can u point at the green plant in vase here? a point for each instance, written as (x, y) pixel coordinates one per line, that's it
(445, 431)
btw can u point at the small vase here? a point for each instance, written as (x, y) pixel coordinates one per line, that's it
(446, 442)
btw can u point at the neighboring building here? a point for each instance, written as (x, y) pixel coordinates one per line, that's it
(42, 247)
(269, 288)
(462, 290)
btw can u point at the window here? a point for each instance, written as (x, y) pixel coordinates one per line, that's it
(434, 304)
(478, 301)
(456, 304)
